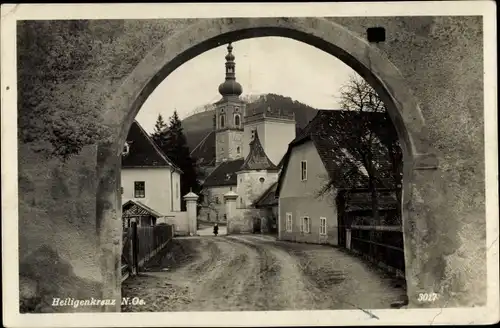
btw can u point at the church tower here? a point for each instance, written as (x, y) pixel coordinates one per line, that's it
(229, 113)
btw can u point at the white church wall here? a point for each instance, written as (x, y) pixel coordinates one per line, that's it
(274, 134)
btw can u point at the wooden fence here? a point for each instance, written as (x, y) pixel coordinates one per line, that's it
(140, 244)
(382, 245)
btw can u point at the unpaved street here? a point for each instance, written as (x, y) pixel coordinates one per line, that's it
(253, 272)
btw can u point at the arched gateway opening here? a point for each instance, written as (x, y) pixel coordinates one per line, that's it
(206, 34)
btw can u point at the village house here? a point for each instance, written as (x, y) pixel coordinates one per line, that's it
(150, 181)
(321, 153)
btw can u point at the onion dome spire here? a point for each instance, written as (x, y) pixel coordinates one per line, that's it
(230, 87)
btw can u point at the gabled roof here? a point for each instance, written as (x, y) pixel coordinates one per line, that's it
(331, 131)
(268, 198)
(257, 158)
(136, 208)
(143, 151)
(204, 152)
(224, 174)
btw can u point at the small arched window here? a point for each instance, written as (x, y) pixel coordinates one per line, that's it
(237, 150)
(222, 121)
(237, 120)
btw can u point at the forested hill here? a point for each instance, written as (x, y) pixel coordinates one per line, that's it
(198, 125)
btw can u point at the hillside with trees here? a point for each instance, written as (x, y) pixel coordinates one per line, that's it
(198, 125)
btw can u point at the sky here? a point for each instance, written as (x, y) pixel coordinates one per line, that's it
(263, 65)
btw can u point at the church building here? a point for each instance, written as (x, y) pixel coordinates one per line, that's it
(247, 145)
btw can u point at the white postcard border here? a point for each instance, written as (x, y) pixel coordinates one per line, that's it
(12, 13)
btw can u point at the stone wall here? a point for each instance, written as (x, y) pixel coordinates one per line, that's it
(58, 248)
(180, 222)
(242, 221)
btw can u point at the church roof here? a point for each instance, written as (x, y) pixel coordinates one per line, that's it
(257, 158)
(330, 132)
(268, 198)
(143, 151)
(224, 174)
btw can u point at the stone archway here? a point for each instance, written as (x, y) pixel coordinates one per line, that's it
(206, 34)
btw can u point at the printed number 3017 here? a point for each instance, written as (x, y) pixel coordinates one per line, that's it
(427, 297)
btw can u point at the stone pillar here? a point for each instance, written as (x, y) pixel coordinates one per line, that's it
(191, 199)
(230, 203)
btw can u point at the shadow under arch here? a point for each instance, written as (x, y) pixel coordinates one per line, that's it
(206, 34)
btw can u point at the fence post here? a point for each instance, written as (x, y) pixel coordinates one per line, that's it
(348, 238)
(133, 246)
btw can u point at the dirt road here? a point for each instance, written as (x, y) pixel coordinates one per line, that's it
(251, 273)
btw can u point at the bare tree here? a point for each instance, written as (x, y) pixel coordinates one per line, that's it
(371, 140)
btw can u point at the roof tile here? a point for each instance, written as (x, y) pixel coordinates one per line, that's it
(224, 174)
(143, 152)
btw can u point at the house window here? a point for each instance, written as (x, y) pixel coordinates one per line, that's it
(121, 190)
(217, 200)
(322, 226)
(237, 120)
(305, 225)
(222, 121)
(208, 216)
(153, 221)
(237, 150)
(217, 217)
(253, 134)
(288, 223)
(139, 189)
(261, 179)
(126, 149)
(303, 170)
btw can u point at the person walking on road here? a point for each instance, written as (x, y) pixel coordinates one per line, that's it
(216, 229)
